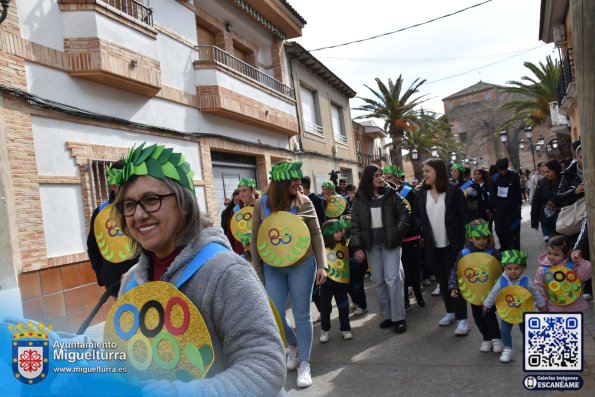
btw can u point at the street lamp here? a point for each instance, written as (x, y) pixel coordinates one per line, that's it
(529, 135)
(540, 140)
(522, 145)
(414, 154)
(434, 150)
(503, 136)
(555, 144)
(453, 156)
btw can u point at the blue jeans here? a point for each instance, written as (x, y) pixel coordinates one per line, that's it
(506, 330)
(297, 281)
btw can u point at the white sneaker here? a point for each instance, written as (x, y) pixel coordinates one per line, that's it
(486, 346)
(448, 319)
(588, 297)
(292, 358)
(436, 292)
(506, 355)
(323, 336)
(347, 335)
(304, 379)
(359, 311)
(497, 345)
(353, 306)
(410, 291)
(462, 328)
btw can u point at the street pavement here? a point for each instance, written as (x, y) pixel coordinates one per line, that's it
(427, 360)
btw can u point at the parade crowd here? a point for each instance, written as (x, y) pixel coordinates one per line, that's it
(289, 247)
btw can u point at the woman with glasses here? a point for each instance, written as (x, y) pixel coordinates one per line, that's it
(292, 257)
(157, 208)
(380, 220)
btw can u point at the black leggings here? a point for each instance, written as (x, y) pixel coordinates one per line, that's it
(410, 260)
(329, 289)
(444, 259)
(357, 272)
(486, 322)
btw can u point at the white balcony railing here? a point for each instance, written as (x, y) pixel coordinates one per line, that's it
(340, 138)
(313, 128)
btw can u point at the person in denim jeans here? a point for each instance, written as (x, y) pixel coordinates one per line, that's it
(296, 280)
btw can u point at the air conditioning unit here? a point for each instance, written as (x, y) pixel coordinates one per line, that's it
(559, 34)
(557, 118)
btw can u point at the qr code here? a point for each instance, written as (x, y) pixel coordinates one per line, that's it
(553, 342)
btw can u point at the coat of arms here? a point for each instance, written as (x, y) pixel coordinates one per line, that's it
(30, 352)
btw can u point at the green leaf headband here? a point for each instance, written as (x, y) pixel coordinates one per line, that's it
(248, 182)
(475, 231)
(458, 166)
(335, 225)
(328, 184)
(156, 161)
(393, 170)
(514, 256)
(286, 171)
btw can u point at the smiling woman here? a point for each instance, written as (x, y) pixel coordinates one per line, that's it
(157, 208)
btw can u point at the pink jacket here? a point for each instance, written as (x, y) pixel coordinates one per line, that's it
(583, 269)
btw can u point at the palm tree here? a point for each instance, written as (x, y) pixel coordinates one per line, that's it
(432, 129)
(396, 109)
(537, 91)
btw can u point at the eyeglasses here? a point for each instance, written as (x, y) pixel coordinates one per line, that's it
(149, 204)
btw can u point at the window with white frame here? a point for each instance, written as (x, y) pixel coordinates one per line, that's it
(337, 123)
(310, 111)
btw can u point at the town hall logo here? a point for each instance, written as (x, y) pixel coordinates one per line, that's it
(30, 352)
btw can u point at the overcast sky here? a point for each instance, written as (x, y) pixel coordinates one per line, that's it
(473, 39)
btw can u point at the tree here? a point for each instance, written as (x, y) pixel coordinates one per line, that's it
(431, 129)
(395, 109)
(532, 108)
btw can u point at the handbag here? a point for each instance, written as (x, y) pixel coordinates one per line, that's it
(570, 218)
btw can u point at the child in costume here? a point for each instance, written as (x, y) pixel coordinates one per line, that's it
(514, 263)
(336, 285)
(570, 298)
(479, 240)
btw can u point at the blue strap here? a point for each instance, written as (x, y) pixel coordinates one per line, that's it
(103, 205)
(267, 210)
(524, 281)
(202, 257)
(236, 208)
(465, 251)
(466, 184)
(405, 190)
(570, 265)
(491, 251)
(503, 282)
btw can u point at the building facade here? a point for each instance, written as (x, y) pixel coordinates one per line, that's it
(82, 81)
(369, 145)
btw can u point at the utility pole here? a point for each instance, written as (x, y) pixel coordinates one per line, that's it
(583, 30)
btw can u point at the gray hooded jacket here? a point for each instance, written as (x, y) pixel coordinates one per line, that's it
(249, 353)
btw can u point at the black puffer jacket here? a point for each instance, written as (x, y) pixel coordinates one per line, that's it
(396, 219)
(544, 191)
(568, 184)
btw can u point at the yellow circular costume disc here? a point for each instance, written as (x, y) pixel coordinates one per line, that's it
(512, 302)
(335, 206)
(241, 222)
(283, 239)
(162, 332)
(477, 273)
(338, 263)
(562, 285)
(113, 244)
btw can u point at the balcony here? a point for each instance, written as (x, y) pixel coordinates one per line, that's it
(209, 55)
(566, 86)
(133, 9)
(231, 88)
(340, 138)
(363, 159)
(313, 128)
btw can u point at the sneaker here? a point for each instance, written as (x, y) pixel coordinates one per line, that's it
(448, 319)
(462, 328)
(304, 379)
(588, 297)
(486, 346)
(353, 307)
(292, 358)
(400, 326)
(506, 355)
(323, 336)
(359, 311)
(426, 282)
(387, 323)
(347, 335)
(410, 291)
(497, 345)
(436, 292)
